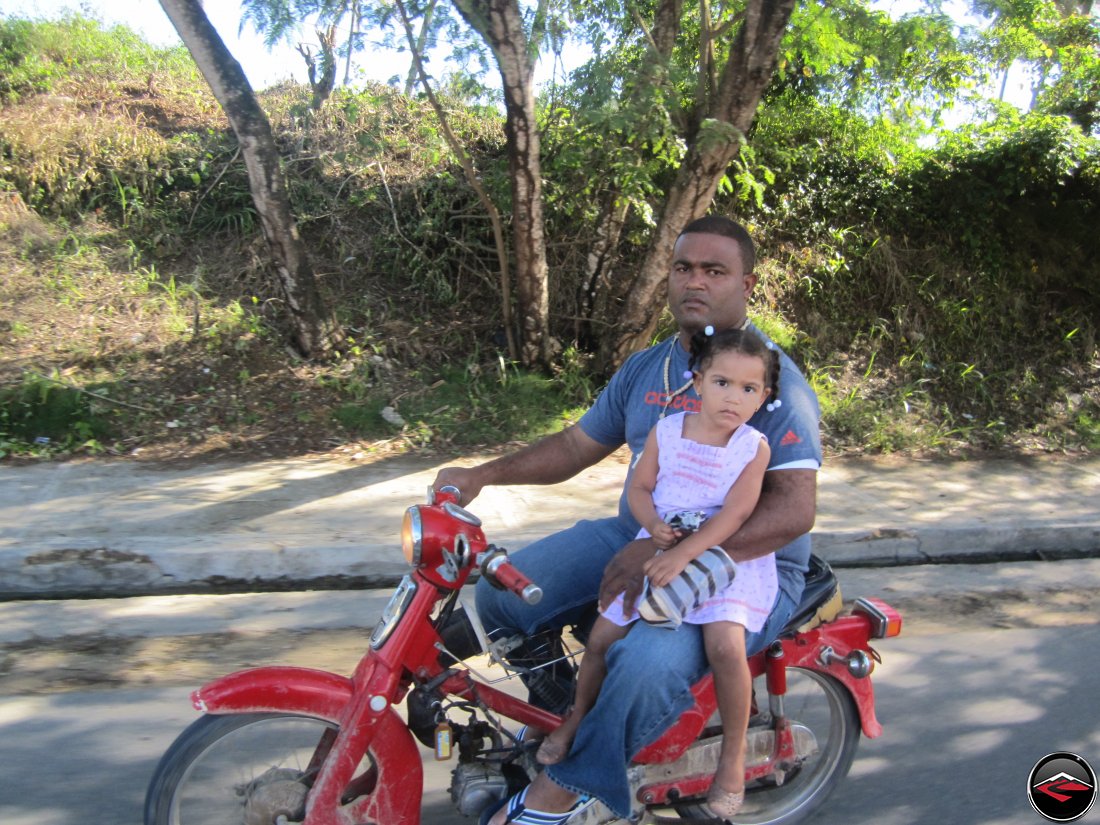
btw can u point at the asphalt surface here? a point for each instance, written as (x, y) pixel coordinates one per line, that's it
(965, 714)
(994, 564)
(98, 528)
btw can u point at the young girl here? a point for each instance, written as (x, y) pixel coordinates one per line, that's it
(709, 461)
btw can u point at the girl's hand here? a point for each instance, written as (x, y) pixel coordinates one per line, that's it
(666, 566)
(663, 535)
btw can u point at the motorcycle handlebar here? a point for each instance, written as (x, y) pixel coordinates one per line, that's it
(499, 569)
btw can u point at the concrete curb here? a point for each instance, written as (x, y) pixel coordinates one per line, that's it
(931, 545)
(102, 528)
(159, 565)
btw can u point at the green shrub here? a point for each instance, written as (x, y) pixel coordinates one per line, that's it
(476, 405)
(40, 414)
(52, 55)
(967, 269)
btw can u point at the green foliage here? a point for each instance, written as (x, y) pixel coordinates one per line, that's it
(940, 296)
(1086, 428)
(43, 415)
(41, 56)
(104, 152)
(1060, 44)
(474, 406)
(997, 188)
(967, 269)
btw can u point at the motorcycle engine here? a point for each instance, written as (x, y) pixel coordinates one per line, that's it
(475, 786)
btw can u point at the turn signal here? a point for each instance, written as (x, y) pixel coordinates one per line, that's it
(885, 620)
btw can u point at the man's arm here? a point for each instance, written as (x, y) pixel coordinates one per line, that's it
(786, 509)
(548, 461)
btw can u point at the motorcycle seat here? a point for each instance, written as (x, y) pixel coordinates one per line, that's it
(821, 600)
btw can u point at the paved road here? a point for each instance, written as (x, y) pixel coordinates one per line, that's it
(966, 715)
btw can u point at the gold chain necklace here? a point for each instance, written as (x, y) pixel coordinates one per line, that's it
(669, 395)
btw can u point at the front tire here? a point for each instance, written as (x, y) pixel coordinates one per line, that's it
(824, 706)
(239, 769)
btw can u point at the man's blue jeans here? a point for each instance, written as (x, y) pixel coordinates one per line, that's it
(650, 671)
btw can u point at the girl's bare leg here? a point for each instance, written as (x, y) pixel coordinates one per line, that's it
(604, 633)
(725, 646)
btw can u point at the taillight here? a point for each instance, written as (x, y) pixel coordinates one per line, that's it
(885, 620)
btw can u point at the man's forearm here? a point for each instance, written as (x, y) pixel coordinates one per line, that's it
(786, 510)
(548, 461)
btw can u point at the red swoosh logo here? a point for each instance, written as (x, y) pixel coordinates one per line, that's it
(1052, 787)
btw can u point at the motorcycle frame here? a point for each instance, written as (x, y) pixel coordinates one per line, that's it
(362, 707)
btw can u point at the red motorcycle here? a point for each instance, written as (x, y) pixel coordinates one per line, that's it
(282, 745)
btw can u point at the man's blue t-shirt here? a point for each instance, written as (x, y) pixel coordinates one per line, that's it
(638, 393)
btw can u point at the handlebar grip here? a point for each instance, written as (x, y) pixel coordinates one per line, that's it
(512, 579)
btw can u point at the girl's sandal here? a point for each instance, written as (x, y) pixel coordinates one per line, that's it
(551, 752)
(723, 804)
(520, 814)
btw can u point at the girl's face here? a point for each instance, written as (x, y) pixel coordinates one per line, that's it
(731, 389)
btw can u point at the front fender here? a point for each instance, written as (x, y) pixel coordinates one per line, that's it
(398, 786)
(276, 689)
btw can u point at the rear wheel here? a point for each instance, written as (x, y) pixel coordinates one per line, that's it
(823, 706)
(240, 769)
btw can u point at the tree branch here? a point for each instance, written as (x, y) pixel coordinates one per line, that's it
(645, 30)
(470, 173)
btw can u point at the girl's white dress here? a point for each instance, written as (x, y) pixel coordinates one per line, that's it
(693, 476)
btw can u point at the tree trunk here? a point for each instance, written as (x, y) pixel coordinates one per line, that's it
(688, 198)
(315, 329)
(323, 85)
(352, 34)
(500, 23)
(742, 81)
(594, 295)
(418, 46)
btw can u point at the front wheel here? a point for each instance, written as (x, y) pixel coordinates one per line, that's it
(824, 707)
(240, 769)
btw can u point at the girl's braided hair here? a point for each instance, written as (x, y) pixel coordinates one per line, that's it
(704, 347)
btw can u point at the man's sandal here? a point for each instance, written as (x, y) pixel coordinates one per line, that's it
(520, 814)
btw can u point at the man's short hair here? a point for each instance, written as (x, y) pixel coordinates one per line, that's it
(721, 225)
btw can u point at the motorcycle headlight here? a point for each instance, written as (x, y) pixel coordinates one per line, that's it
(412, 536)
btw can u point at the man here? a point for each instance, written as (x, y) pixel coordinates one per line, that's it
(710, 283)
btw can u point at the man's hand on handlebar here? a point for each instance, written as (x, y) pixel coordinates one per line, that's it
(623, 574)
(464, 478)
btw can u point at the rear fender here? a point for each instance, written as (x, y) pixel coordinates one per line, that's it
(843, 635)
(800, 650)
